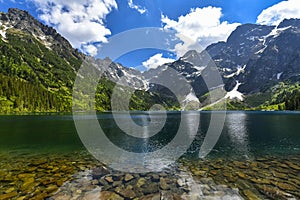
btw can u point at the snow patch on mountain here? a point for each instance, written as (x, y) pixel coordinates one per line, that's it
(132, 80)
(198, 68)
(234, 93)
(43, 40)
(277, 31)
(239, 70)
(3, 29)
(3, 33)
(279, 75)
(191, 97)
(274, 34)
(261, 50)
(198, 72)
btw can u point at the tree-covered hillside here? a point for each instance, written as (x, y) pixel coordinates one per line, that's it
(37, 78)
(33, 77)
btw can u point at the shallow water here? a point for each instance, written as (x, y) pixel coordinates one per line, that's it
(257, 154)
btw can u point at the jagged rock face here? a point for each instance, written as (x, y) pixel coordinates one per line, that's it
(23, 21)
(257, 56)
(241, 45)
(120, 74)
(265, 54)
(193, 67)
(279, 59)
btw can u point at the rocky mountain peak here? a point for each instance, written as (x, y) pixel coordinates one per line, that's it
(23, 21)
(26, 23)
(290, 22)
(190, 53)
(253, 59)
(17, 14)
(192, 57)
(250, 32)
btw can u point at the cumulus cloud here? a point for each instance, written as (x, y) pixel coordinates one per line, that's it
(80, 21)
(138, 8)
(276, 13)
(156, 60)
(91, 49)
(201, 26)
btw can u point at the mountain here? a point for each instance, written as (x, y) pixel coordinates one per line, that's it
(266, 55)
(260, 67)
(263, 59)
(38, 68)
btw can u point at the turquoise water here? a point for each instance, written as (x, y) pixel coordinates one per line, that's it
(260, 133)
(244, 133)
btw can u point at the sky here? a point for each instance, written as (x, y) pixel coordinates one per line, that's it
(91, 24)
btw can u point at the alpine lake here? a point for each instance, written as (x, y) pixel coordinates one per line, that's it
(257, 156)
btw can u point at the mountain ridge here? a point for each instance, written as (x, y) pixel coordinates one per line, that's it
(257, 62)
(259, 58)
(35, 55)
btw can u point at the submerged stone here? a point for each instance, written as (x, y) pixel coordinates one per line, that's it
(27, 184)
(140, 182)
(99, 172)
(241, 175)
(51, 188)
(9, 190)
(110, 196)
(250, 195)
(279, 175)
(127, 193)
(155, 178)
(151, 197)
(199, 172)
(109, 179)
(260, 181)
(128, 177)
(152, 188)
(8, 195)
(163, 184)
(180, 182)
(273, 192)
(285, 186)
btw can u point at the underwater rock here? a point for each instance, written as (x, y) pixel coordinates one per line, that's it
(128, 177)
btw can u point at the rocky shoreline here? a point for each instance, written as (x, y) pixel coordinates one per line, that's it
(79, 176)
(102, 183)
(260, 178)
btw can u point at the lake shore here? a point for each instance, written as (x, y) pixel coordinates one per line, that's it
(137, 111)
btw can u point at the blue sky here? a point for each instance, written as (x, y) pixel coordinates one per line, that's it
(89, 23)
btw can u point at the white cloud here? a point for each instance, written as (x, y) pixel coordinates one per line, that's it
(156, 60)
(200, 26)
(80, 21)
(90, 49)
(138, 8)
(276, 13)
